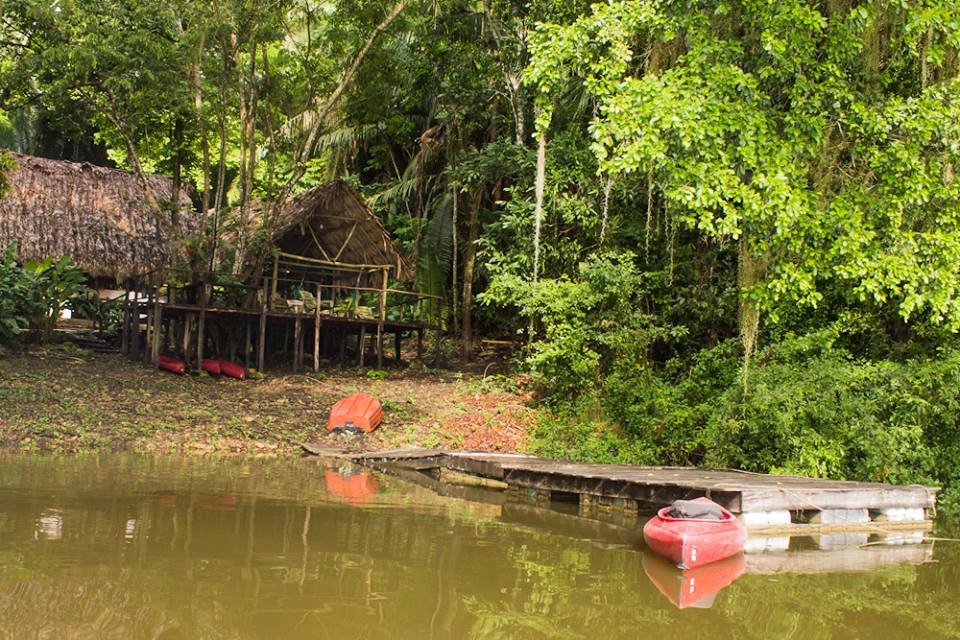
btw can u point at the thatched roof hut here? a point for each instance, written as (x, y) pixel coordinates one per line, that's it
(332, 223)
(98, 216)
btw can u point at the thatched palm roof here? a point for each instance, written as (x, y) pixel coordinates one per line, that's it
(333, 223)
(98, 216)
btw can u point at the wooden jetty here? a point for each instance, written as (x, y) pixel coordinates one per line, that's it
(765, 503)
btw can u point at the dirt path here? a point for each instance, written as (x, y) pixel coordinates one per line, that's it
(68, 400)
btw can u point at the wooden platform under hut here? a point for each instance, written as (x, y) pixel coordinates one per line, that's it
(328, 279)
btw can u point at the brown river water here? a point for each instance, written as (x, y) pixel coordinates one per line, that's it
(168, 548)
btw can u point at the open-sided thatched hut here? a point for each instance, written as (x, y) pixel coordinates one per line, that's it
(332, 225)
(100, 217)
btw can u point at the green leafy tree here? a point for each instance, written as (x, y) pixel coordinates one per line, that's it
(776, 127)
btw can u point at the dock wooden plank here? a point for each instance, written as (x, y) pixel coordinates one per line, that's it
(738, 491)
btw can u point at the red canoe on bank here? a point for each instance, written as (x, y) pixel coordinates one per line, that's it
(232, 369)
(210, 366)
(172, 365)
(357, 412)
(692, 533)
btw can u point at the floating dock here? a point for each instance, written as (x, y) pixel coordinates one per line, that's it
(764, 503)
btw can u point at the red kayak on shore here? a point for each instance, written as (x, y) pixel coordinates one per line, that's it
(692, 533)
(357, 412)
(232, 369)
(210, 366)
(172, 365)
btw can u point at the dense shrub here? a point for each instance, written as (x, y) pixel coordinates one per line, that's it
(812, 409)
(586, 325)
(33, 294)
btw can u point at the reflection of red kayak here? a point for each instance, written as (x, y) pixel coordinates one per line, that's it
(692, 587)
(357, 412)
(690, 542)
(357, 488)
(232, 370)
(172, 365)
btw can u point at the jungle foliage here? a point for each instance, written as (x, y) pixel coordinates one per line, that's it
(726, 232)
(33, 294)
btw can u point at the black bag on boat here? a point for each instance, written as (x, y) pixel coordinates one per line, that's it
(693, 509)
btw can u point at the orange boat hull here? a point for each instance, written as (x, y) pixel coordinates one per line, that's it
(355, 488)
(359, 411)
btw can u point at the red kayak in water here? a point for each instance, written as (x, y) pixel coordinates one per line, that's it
(357, 412)
(172, 365)
(692, 533)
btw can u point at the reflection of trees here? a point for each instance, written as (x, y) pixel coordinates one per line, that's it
(124, 547)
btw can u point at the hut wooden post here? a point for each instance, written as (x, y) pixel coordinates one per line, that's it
(361, 344)
(419, 345)
(382, 316)
(316, 333)
(276, 269)
(135, 323)
(148, 331)
(187, 332)
(246, 343)
(262, 332)
(157, 329)
(297, 343)
(125, 327)
(200, 324)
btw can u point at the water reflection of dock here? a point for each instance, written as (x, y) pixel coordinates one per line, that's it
(843, 552)
(831, 553)
(772, 504)
(804, 548)
(851, 558)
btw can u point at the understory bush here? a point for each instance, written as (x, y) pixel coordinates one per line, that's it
(810, 409)
(33, 294)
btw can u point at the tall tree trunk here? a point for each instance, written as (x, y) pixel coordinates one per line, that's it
(750, 270)
(227, 45)
(248, 146)
(193, 76)
(455, 260)
(334, 97)
(134, 158)
(177, 164)
(538, 195)
(469, 260)
(306, 149)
